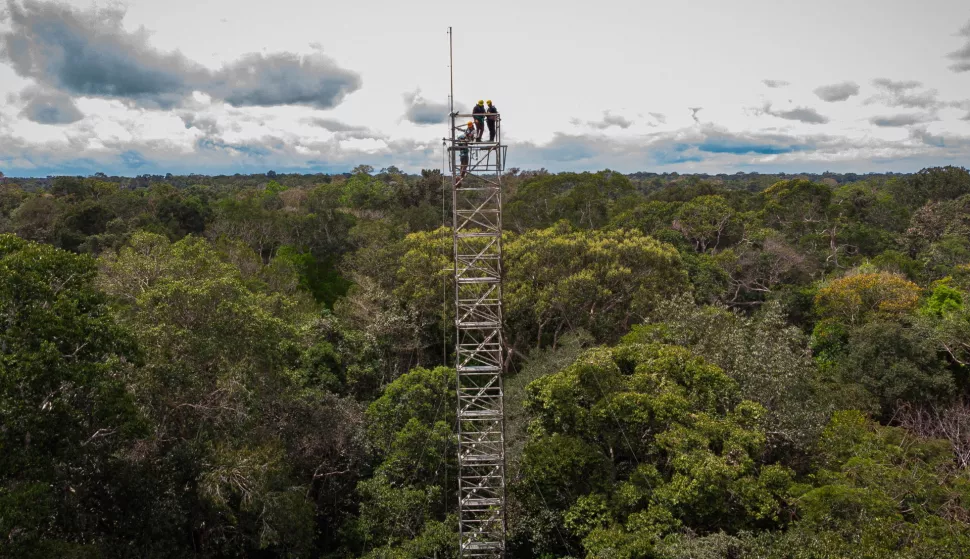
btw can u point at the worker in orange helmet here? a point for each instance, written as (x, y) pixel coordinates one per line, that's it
(468, 136)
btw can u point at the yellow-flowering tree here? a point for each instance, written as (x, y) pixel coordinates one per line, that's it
(855, 297)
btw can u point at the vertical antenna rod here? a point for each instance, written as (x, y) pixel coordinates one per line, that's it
(451, 69)
(476, 194)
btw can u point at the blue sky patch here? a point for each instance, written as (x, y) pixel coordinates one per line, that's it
(740, 146)
(132, 159)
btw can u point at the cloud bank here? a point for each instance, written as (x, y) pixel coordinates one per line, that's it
(89, 53)
(210, 145)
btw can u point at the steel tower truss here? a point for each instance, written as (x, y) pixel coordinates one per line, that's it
(477, 239)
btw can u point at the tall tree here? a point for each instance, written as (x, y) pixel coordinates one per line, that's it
(216, 388)
(560, 279)
(66, 418)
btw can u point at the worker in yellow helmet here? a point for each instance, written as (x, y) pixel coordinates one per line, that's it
(492, 117)
(479, 113)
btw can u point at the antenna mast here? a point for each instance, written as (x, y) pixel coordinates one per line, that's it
(476, 173)
(451, 70)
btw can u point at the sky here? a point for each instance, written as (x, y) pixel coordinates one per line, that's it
(238, 86)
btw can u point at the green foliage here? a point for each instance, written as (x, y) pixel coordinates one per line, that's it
(893, 362)
(11, 196)
(766, 357)
(829, 340)
(647, 217)
(362, 191)
(540, 363)
(319, 278)
(706, 221)
(711, 546)
(880, 492)
(660, 435)
(65, 413)
(936, 184)
(35, 219)
(402, 512)
(943, 301)
(938, 236)
(378, 250)
(869, 336)
(941, 257)
(217, 348)
(425, 281)
(947, 321)
(756, 267)
(797, 207)
(708, 277)
(896, 262)
(417, 395)
(585, 200)
(250, 366)
(560, 279)
(869, 204)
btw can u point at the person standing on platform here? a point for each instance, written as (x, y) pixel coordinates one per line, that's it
(492, 112)
(468, 136)
(479, 113)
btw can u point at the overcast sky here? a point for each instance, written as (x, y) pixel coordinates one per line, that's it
(227, 86)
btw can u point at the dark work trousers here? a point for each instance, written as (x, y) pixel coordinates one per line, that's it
(491, 130)
(480, 127)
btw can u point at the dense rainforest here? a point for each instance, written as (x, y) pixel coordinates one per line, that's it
(699, 366)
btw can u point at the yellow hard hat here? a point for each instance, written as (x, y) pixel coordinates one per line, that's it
(489, 101)
(471, 123)
(480, 102)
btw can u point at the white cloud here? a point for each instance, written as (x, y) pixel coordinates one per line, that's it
(807, 115)
(903, 94)
(962, 55)
(775, 84)
(421, 111)
(901, 119)
(607, 121)
(837, 91)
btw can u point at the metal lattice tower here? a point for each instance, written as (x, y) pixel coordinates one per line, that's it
(477, 238)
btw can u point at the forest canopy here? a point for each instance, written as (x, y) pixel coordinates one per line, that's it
(698, 366)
